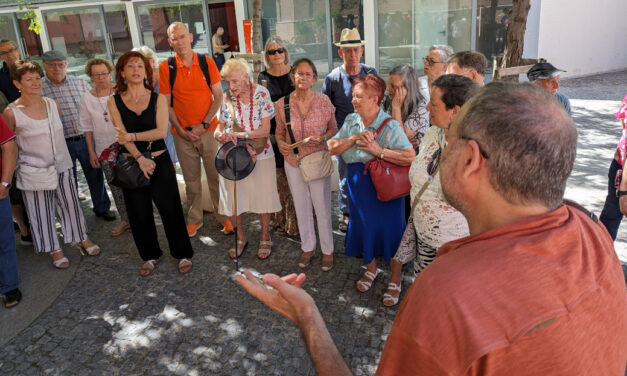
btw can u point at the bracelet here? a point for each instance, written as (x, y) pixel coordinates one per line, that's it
(138, 156)
(382, 153)
(134, 136)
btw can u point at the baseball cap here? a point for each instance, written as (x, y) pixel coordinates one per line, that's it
(53, 55)
(543, 71)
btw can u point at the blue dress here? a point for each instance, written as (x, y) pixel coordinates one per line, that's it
(375, 227)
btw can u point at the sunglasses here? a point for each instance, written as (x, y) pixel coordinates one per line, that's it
(435, 162)
(274, 52)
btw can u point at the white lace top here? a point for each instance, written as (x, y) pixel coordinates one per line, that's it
(435, 220)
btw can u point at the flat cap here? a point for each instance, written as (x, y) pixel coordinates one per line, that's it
(543, 71)
(53, 55)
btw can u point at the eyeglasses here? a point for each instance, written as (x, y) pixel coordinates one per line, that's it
(9, 51)
(303, 74)
(56, 65)
(429, 61)
(100, 75)
(484, 154)
(435, 162)
(274, 52)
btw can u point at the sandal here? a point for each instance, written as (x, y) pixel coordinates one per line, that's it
(92, 250)
(326, 265)
(265, 249)
(148, 267)
(62, 263)
(241, 246)
(185, 265)
(304, 260)
(365, 283)
(120, 228)
(389, 298)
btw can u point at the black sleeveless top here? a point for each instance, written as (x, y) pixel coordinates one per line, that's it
(140, 123)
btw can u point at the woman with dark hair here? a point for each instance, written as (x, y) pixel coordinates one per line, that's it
(376, 227)
(406, 104)
(276, 78)
(312, 122)
(141, 118)
(36, 122)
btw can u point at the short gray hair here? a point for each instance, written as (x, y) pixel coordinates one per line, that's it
(148, 52)
(275, 39)
(529, 138)
(444, 50)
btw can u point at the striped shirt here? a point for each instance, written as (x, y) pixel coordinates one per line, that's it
(69, 97)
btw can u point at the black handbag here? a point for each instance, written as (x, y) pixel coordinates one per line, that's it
(127, 174)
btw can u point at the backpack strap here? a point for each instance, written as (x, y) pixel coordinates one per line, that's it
(202, 62)
(172, 73)
(288, 123)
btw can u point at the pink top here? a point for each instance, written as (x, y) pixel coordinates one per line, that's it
(319, 120)
(621, 149)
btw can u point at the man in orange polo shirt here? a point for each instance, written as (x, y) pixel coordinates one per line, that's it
(193, 118)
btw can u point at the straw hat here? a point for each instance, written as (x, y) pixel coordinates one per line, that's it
(235, 162)
(350, 38)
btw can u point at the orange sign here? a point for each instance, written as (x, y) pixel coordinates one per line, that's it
(248, 31)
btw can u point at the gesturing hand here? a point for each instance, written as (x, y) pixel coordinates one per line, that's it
(287, 298)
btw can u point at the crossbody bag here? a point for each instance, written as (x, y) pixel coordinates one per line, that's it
(259, 144)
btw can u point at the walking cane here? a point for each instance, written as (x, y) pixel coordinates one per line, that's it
(235, 213)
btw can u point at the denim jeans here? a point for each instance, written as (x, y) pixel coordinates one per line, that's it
(95, 179)
(611, 215)
(342, 193)
(8, 258)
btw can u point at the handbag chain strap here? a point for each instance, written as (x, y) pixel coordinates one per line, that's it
(288, 120)
(54, 149)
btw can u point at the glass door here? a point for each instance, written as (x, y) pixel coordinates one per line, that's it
(79, 34)
(223, 15)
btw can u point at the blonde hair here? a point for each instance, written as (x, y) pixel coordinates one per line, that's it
(98, 61)
(279, 41)
(148, 52)
(235, 64)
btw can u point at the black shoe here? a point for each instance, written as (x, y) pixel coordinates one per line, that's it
(107, 215)
(15, 226)
(12, 298)
(26, 240)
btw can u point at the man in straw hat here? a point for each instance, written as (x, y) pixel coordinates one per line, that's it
(339, 88)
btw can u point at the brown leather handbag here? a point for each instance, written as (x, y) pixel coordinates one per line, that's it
(390, 180)
(259, 144)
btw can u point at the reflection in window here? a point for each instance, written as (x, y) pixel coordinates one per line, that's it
(407, 28)
(154, 20)
(349, 14)
(31, 42)
(302, 25)
(492, 22)
(117, 25)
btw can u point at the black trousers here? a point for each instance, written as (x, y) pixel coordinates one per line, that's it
(163, 191)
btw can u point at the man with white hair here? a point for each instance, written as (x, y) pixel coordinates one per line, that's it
(546, 76)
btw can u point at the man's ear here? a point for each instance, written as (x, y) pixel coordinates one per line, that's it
(339, 52)
(472, 159)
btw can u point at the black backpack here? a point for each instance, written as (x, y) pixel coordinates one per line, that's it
(202, 61)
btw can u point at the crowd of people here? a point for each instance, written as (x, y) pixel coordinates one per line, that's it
(483, 177)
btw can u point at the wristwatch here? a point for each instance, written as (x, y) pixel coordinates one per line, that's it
(205, 125)
(7, 185)
(618, 193)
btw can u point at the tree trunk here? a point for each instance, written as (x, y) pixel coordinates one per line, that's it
(515, 35)
(256, 39)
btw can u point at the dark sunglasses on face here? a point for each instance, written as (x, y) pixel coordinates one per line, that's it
(278, 50)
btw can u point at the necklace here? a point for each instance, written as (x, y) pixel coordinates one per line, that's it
(239, 110)
(138, 98)
(105, 113)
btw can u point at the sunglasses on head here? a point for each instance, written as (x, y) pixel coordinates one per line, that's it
(278, 50)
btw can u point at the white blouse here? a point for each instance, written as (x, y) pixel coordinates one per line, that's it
(435, 220)
(34, 141)
(92, 118)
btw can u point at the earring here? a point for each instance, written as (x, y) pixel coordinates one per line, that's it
(124, 80)
(145, 81)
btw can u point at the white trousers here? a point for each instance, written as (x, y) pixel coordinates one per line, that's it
(316, 194)
(42, 208)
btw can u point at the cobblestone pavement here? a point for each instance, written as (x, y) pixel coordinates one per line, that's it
(111, 321)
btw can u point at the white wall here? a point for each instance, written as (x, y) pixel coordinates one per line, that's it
(582, 36)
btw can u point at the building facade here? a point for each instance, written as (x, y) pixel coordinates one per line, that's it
(396, 31)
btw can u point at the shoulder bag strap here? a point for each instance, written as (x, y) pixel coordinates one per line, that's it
(172, 74)
(229, 101)
(288, 122)
(48, 113)
(422, 190)
(376, 134)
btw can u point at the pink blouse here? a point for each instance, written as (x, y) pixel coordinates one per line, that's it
(319, 120)
(621, 149)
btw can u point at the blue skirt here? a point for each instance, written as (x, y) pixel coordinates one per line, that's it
(375, 227)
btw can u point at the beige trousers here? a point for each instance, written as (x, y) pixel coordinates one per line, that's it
(190, 154)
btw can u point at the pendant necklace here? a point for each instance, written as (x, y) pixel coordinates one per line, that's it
(105, 112)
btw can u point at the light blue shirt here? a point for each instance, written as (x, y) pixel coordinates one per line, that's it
(392, 136)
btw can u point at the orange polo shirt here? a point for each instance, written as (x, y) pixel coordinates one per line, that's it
(192, 97)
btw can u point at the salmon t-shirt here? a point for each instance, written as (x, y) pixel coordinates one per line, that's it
(192, 97)
(542, 296)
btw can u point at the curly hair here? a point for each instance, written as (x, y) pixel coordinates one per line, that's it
(120, 84)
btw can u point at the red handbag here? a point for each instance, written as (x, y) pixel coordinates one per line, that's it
(390, 180)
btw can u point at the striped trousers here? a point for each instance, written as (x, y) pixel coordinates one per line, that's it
(43, 207)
